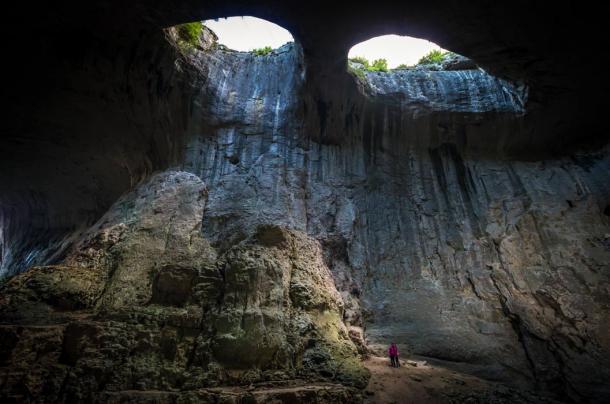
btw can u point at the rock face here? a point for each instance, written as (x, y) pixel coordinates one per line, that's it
(87, 109)
(332, 217)
(499, 267)
(143, 302)
(466, 91)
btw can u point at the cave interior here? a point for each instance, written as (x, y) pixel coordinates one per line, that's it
(181, 222)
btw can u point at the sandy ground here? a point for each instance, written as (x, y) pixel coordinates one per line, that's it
(416, 381)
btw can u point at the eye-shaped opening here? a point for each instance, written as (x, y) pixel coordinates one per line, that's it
(417, 74)
(394, 52)
(242, 34)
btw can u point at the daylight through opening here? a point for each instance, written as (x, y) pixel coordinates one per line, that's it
(246, 34)
(396, 50)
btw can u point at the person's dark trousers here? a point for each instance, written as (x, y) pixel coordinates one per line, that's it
(394, 360)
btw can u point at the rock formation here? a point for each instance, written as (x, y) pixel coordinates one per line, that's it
(486, 263)
(179, 224)
(144, 302)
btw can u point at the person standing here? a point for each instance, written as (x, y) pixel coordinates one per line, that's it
(393, 352)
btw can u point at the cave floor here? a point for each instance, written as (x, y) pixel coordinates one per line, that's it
(422, 383)
(418, 381)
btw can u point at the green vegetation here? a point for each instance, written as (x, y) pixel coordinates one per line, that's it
(262, 51)
(358, 65)
(356, 71)
(360, 59)
(189, 33)
(378, 65)
(434, 56)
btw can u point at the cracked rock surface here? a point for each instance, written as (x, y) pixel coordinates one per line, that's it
(143, 302)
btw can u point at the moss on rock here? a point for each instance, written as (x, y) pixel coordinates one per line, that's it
(143, 302)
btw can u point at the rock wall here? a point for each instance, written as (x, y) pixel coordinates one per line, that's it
(498, 266)
(102, 114)
(144, 302)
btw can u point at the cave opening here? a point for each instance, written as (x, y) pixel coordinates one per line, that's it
(254, 70)
(248, 34)
(395, 52)
(411, 73)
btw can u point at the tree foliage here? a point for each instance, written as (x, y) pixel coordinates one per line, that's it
(434, 56)
(378, 65)
(262, 51)
(361, 60)
(190, 32)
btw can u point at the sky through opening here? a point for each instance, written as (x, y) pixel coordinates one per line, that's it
(395, 49)
(248, 33)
